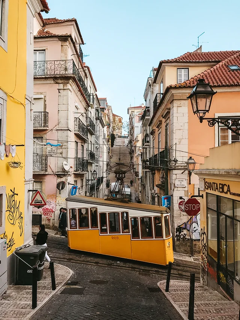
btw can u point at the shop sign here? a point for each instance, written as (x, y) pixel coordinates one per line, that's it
(181, 205)
(220, 187)
(166, 201)
(38, 200)
(180, 183)
(192, 207)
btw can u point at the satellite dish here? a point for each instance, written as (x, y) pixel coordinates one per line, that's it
(66, 166)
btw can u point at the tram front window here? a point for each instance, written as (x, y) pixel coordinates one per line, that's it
(73, 218)
(103, 222)
(167, 226)
(158, 227)
(114, 226)
(135, 228)
(94, 219)
(146, 227)
(125, 222)
(83, 218)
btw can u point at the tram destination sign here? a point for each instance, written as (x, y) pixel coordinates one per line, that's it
(192, 207)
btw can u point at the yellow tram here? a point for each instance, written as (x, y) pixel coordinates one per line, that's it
(125, 230)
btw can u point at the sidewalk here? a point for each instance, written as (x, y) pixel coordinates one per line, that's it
(209, 304)
(16, 303)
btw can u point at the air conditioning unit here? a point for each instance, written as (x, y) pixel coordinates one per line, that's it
(3, 266)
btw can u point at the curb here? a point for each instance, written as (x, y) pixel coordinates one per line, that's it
(52, 294)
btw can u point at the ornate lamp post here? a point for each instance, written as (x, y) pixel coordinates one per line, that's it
(94, 175)
(191, 164)
(201, 99)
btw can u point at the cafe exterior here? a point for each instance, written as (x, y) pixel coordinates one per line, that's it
(220, 220)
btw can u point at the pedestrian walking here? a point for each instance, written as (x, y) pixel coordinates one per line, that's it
(42, 239)
(63, 221)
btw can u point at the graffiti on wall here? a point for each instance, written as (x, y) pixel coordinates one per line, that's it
(203, 262)
(188, 229)
(14, 215)
(10, 241)
(49, 209)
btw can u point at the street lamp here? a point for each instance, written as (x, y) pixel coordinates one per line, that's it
(191, 164)
(94, 174)
(201, 99)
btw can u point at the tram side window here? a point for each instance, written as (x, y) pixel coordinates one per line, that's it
(125, 222)
(103, 222)
(146, 227)
(73, 218)
(167, 226)
(83, 218)
(135, 228)
(114, 225)
(158, 227)
(94, 217)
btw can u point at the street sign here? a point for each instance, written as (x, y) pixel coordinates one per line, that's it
(180, 183)
(181, 205)
(74, 190)
(38, 200)
(192, 207)
(166, 201)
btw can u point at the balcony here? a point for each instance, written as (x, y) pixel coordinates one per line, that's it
(90, 126)
(146, 116)
(156, 101)
(40, 120)
(60, 68)
(40, 163)
(99, 181)
(98, 116)
(80, 129)
(146, 141)
(80, 53)
(81, 165)
(91, 156)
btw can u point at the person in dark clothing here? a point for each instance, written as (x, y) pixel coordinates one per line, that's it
(42, 239)
(63, 221)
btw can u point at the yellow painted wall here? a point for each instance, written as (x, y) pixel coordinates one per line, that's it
(13, 82)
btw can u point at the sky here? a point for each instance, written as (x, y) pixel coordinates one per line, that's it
(126, 38)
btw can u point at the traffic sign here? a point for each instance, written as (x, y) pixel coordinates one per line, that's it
(74, 190)
(166, 201)
(38, 200)
(181, 205)
(192, 207)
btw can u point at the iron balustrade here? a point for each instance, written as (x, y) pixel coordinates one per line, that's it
(146, 113)
(50, 68)
(156, 101)
(40, 119)
(40, 163)
(90, 125)
(91, 156)
(99, 181)
(80, 128)
(81, 165)
(80, 53)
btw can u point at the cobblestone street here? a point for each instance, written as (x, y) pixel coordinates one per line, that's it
(99, 292)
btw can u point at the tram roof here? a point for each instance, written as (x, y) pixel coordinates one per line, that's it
(110, 203)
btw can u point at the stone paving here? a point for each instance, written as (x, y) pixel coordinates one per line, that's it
(16, 303)
(209, 304)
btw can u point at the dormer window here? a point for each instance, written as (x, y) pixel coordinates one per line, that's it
(182, 75)
(234, 67)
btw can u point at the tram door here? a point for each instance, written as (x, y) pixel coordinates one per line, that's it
(226, 254)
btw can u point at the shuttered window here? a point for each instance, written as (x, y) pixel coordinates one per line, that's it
(182, 75)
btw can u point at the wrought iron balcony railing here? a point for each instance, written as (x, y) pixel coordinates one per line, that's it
(91, 156)
(40, 163)
(99, 181)
(81, 165)
(156, 101)
(98, 116)
(80, 128)
(80, 53)
(90, 125)
(146, 113)
(40, 120)
(50, 68)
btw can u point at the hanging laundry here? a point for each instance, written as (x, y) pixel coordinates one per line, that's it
(7, 150)
(2, 151)
(13, 150)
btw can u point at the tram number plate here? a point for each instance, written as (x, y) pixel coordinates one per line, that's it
(115, 238)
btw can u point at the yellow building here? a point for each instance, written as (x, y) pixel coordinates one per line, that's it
(220, 219)
(16, 92)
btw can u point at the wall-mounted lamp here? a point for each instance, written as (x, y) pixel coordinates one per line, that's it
(191, 164)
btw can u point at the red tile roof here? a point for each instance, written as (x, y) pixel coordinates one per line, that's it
(45, 6)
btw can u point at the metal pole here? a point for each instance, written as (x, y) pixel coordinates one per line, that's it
(95, 188)
(168, 276)
(191, 239)
(34, 287)
(191, 297)
(52, 275)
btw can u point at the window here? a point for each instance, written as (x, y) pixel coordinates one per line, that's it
(167, 226)
(182, 75)
(226, 136)
(158, 227)
(166, 135)
(114, 226)
(161, 88)
(135, 228)
(2, 209)
(125, 222)
(37, 185)
(234, 67)
(225, 206)
(83, 218)
(103, 222)
(146, 227)
(73, 218)
(39, 62)
(94, 218)
(3, 23)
